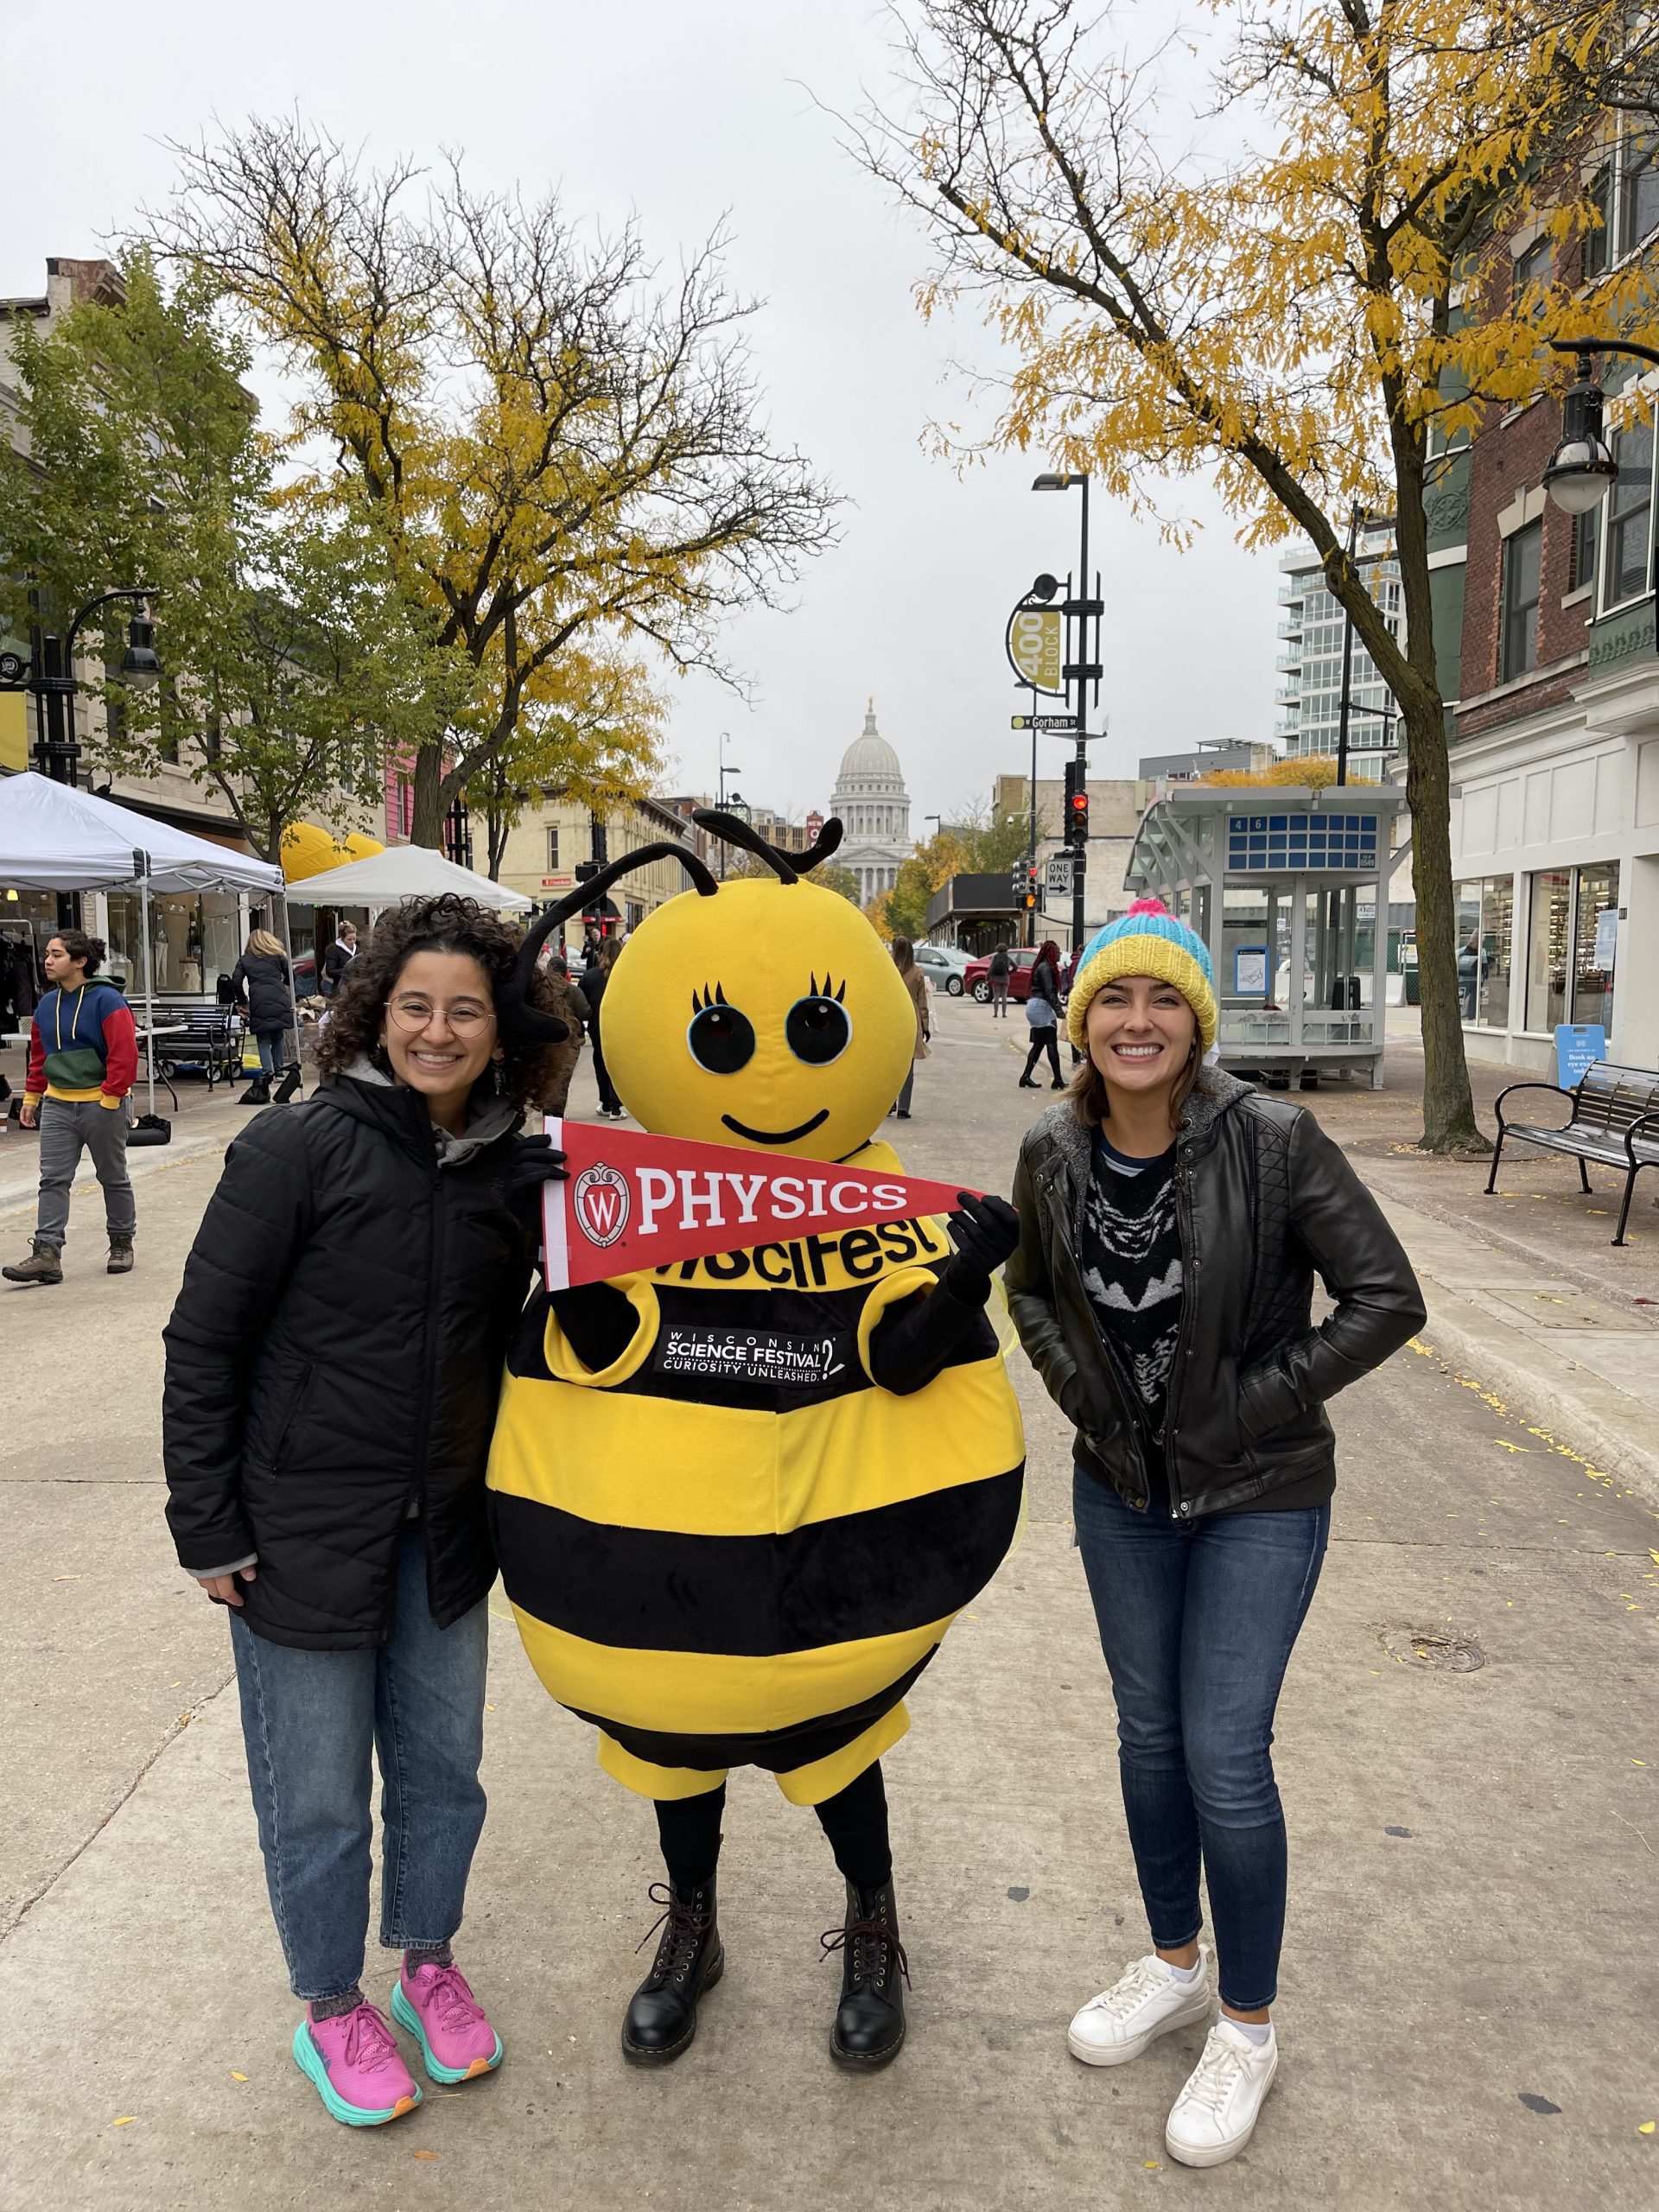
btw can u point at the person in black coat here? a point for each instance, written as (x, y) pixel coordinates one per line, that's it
(593, 987)
(330, 1491)
(260, 981)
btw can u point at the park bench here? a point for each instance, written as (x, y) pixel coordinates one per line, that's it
(198, 1034)
(1614, 1121)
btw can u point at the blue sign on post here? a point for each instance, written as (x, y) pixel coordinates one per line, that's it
(1578, 1046)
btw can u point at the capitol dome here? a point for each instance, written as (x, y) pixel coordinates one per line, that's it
(874, 810)
(869, 762)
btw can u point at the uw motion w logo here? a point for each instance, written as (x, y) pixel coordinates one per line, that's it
(601, 1204)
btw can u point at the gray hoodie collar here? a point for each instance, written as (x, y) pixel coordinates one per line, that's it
(488, 1116)
(1211, 1096)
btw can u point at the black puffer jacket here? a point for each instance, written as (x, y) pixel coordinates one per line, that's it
(1263, 1198)
(262, 979)
(335, 1355)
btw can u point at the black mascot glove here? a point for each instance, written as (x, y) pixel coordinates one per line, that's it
(985, 1231)
(535, 1164)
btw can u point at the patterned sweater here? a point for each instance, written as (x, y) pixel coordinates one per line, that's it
(1131, 1259)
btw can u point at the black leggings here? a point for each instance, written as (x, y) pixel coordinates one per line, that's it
(855, 1820)
(1039, 1039)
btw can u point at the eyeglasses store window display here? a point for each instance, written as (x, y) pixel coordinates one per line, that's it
(192, 940)
(1486, 935)
(1574, 927)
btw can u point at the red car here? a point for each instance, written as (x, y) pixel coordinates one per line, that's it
(976, 975)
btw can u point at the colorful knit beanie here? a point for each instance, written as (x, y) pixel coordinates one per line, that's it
(1146, 941)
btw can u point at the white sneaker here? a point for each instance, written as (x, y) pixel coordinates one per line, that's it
(1215, 2115)
(1144, 2003)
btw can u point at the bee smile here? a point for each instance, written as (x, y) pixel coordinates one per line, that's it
(776, 1136)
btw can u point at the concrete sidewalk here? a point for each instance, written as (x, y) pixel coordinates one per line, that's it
(1524, 1286)
(1468, 1749)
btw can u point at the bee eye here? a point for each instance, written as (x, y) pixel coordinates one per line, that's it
(818, 1031)
(720, 1038)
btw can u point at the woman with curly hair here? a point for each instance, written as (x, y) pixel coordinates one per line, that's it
(329, 1490)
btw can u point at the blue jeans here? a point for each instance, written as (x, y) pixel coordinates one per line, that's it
(309, 1720)
(1197, 1623)
(271, 1043)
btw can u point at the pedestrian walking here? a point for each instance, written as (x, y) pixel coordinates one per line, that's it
(996, 974)
(329, 1490)
(338, 958)
(261, 982)
(1043, 1016)
(602, 959)
(1170, 1220)
(903, 959)
(83, 1058)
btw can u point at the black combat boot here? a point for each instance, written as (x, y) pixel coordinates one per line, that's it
(869, 2030)
(661, 2017)
(120, 1255)
(290, 1084)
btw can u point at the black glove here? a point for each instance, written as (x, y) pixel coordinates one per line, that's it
(535, 1164)
(985, 1231)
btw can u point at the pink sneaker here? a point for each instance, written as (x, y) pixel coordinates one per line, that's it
(356, 2066)
(435, 2006)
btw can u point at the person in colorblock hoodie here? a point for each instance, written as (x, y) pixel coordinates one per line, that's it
(83, 1058)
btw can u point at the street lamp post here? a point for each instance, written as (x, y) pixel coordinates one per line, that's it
(48, 675)
(1582, 466)
(1082, 607)
(722, 774)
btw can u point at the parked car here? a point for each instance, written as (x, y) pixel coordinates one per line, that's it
(944, 967)
(978, 978)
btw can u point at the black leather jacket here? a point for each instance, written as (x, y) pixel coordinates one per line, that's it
(1263, 1198)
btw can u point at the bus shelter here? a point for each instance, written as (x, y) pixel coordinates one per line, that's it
(1289, 889)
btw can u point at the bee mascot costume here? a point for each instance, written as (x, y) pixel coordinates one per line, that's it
(725, 1561)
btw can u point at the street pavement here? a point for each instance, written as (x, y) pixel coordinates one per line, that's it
(1468, 1748)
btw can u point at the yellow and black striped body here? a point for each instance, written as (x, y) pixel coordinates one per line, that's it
(731, 1547)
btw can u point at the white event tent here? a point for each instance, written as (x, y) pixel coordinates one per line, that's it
(402, 872)
(55, 837)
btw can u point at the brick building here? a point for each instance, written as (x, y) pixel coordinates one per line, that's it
(1556, 760)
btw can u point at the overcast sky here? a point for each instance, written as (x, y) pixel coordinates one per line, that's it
(681, 113)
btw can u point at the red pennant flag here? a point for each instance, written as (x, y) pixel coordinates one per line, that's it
(633, 1201)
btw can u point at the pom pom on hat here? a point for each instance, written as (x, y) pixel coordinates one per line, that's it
(1146, 941)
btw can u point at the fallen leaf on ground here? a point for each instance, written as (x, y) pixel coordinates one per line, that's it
(1647, 2127)
(423, 2154)
(235, 2076)
(126, 2120)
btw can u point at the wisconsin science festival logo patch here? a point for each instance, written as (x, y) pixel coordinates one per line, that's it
(601, 1204)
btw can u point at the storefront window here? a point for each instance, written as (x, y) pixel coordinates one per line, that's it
(192, 941)
(1548, 955)
(1594, 930)
(1570, 963)
(1485, 934)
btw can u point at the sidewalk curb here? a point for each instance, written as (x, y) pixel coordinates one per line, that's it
(1546, 1391)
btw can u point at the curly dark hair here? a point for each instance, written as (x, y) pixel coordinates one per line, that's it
(531, 1073)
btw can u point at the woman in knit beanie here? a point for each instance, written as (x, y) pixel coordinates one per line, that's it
(1170, 1220)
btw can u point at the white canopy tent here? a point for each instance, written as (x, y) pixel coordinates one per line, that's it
(403, 871)
(55, 837)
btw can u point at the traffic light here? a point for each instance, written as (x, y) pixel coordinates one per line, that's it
(1077, 803)
(1020, 884)
(1029, 901)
